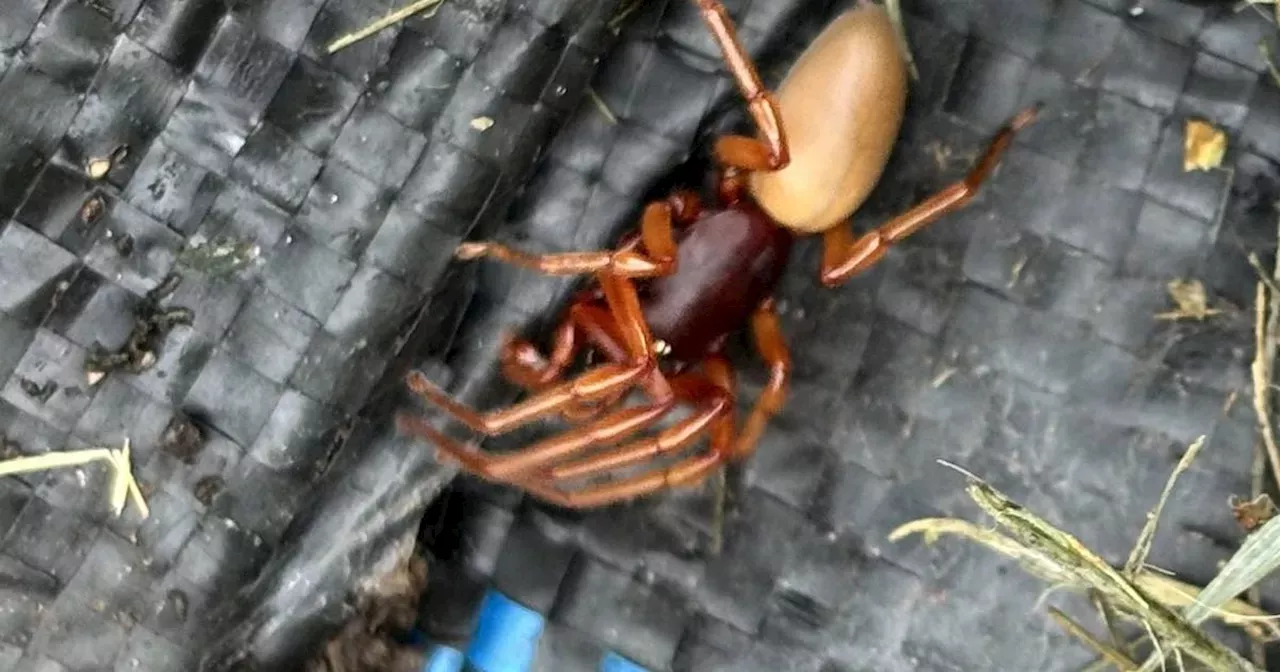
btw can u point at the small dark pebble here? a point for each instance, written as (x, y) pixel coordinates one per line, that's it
(124, 244)
(182, 439)
(208, 487)
(92, 209)
(177, 602)
(9, 448)
(40, 393)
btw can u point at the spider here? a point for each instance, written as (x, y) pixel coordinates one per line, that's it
(662, 305)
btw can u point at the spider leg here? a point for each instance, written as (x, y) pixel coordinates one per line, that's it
(602, 382)
(634, 335)
(772, 348)
(771, 153)
(714, 408)
(690, 471)
(595, 384)
(656, 232)
(843, 256)
(598, 383)
(509, 467)
(525, 366)
(711, 403)
(715, 397)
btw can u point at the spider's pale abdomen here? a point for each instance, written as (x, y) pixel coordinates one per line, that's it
(842, 106)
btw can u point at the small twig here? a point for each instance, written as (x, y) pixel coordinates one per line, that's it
(615, 23)
(1110, 653)
(1262, 273)
(1261, 370)
(894, 9)
(1159, 655)
(123, 485)
(1257, 475)
(383, 23)
(1253, 5)
(1108, 615)
(1265, 52)
(602, 106)
(1138, 558)
(955, 467)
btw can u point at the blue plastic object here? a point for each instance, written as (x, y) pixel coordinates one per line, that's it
(444, 659)
(613, 662)
(506, 636)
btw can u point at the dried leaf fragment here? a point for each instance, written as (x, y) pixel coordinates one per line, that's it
(92, 209)
(1191, 299)
(219, 256)
(1204, 147)
(98, 168)
(1254, 512)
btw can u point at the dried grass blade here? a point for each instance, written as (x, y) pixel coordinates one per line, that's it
(1113, 655)
(1257, 558)
(1138, 558)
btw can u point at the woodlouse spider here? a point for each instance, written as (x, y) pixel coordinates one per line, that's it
(663, 303)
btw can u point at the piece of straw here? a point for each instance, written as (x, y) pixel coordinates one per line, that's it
(382, 24)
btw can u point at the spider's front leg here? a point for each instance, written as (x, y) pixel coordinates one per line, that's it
(712, 397)
(639, 369)
(656, 235)
(587, 324)
(515, 467)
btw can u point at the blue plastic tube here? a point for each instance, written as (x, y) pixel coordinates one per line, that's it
(506, 636)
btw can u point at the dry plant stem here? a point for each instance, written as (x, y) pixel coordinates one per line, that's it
(1273, 318)
(1060, 558)
(382, 24)
(1262, 273)
(1138, 558)
(602, 106)
(1166, 589)
(1092, 570)
(1254, 4)
(1262, 376)
(1265, 52)
(1237, 613)
(1258, 648)
(1112, 655)
(1032, 561)
(615, 24)
(123, 485)
(1108, 616)
(1271, 340)
(1105, 665)
(894, 8)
